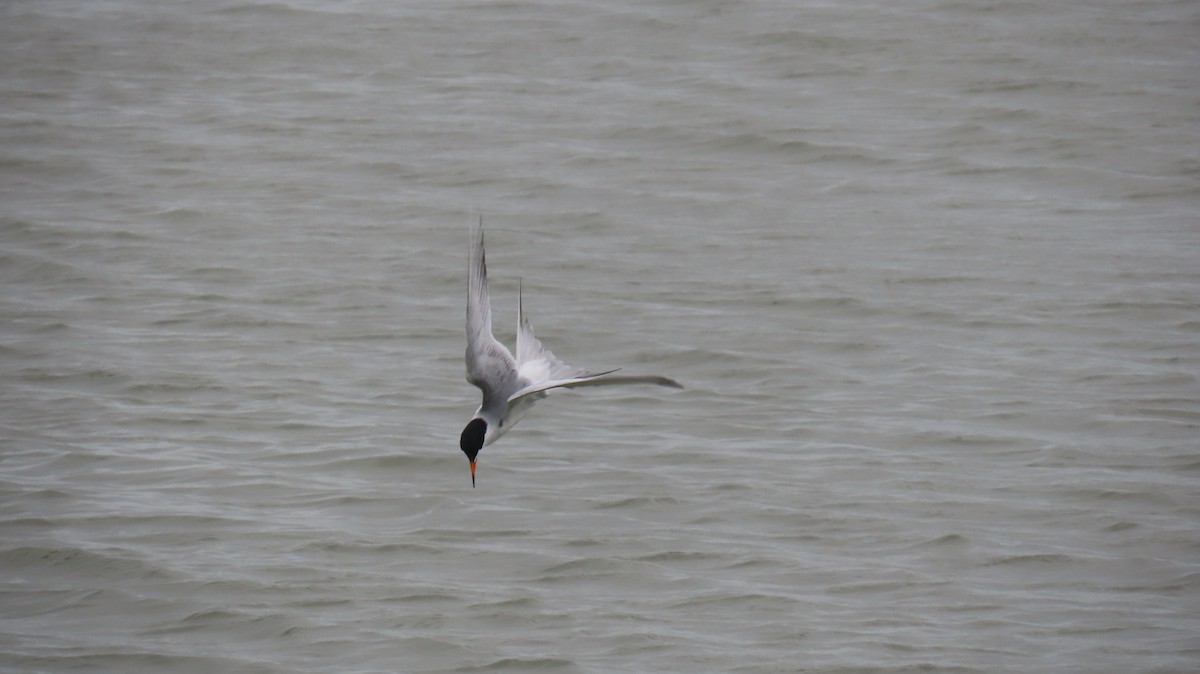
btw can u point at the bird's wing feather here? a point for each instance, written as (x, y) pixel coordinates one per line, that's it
(535, 363)
(595, 379)
(488, 361)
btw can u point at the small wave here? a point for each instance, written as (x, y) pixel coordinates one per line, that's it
(519, 603)
(680, 556)
(467, 535)
(92, 376)
(366, 548)
(1146, 495)
(637, 502)
(183, 215)
(110, 564)
(871, 587)
(38, 268)
(423, 597)
(753, 601)
(587, 566)
(522, 665)
(936, 280)
(1039, 559)
(268, 11)
(946, 541)
(244, 623)
(127, 659)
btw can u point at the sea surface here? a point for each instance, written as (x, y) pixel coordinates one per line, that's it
(929, 271)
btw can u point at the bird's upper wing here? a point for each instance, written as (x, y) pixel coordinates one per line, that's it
(489, 363)
(535, 363)
(540, 370)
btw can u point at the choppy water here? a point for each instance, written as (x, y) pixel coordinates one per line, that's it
(928, 269)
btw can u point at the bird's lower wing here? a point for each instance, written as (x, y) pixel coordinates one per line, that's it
(597, 379)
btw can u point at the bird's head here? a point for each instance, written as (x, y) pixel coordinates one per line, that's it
(472, 441)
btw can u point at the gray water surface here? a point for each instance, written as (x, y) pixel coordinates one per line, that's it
(928, 270)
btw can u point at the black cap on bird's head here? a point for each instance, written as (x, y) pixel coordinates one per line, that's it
(472, 441)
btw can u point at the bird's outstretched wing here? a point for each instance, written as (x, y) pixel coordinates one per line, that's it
(536, 363)
(489, 363)
(594, 379)
(540, 370)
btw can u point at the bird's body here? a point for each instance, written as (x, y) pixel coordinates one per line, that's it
(511, 385)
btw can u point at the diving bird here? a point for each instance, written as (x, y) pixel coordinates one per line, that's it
(511, 385)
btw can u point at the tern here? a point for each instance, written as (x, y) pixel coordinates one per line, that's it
(511, 385)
